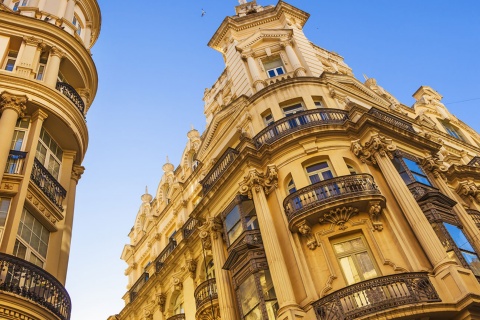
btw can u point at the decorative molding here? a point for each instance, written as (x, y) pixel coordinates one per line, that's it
(54, 51)
(339, 217)
(435, 166)
(77, 172)
(377, 145)
(305, 230)
(213, 227)
(257, 181)
(32, 41)
(375, 209)
(15, 102)
(161, 300)
(469, 190)
(192, 267)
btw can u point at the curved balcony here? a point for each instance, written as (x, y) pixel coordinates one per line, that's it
(69, 92)
(218, 169)
(138, 285)
(298, 122)
(206, 292)
(375, 295)
(313, 201)
(48, 184)
(25, 279)
(180, 316)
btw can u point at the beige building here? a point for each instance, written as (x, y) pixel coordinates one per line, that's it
(310, 195)
(48, 81)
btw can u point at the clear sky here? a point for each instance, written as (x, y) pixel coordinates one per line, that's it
(154, 65)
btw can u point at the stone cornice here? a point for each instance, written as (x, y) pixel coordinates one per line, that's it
(279, 34)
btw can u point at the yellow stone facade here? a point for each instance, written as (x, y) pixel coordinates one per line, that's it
(48, 81)
(310, 195)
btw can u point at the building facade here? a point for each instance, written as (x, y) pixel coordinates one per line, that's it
(310, 195)
(48, 81)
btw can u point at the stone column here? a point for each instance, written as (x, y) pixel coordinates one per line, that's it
(69, 10)
(252, 67)
(53, 67)
(12, 107)
(257, 186)
(292, 56)
(27, 62)
(437, 169)
(88, 35)
(378, 151)
(210, 233)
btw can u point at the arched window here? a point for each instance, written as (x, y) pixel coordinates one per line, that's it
(178, 305)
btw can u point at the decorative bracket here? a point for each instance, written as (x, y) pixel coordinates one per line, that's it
(305, 230)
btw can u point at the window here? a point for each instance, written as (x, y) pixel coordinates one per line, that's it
(255, 293)
(451, 130)
(32, 240)
(241, 218)
(4, 206)
(210, 270)
(290, 111)
(268, 119)
(274, 67)
(76, 23)
(49, 153)
(19, 134)
(11, 59)
(178, 305)
(410, 171)
(355, 260)
(351, 169)
(41, 67)
(319, 172)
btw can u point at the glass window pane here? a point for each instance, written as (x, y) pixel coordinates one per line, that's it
(267, 285)
(318, 166)
(19, 250)
(327, 175)
(271, 73)
(235, 232)
(4, 205)
(473, 262)
(248, 295)
(349, 270)
(232, 218)
(251, 222)
(366, 266)
(458, 237)
(280, 71)
(255, 314)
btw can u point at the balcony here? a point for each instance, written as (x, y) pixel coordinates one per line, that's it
(24, 279)
(138, 285)
(313, 201)
(299, 121)
(189, 227)
(160, 260)
(15, 162)
(180, 316)
(205, 292)
(48, 184)
(475, 216)
(475, 162)
(219, 169)
(369, 297)
(394, 121)
(69, 92)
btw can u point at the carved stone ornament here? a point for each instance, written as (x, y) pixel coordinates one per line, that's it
(192, 267)
(305, 230)
(377, 145)
(469, 190)
(32, 41)
(434, 165)
(375, 212)
(77, 172)
(177, 284)
(211, 226)
(340, 97)
(147, 314)
(14, 102)
(162, 299)
(256, 181)
(54, 51)
(339, 216)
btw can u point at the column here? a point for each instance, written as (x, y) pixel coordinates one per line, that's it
(210, 233)
(378, 151)
(27, 62)
(292, 56)
(257, 186)
(252, 67)
(53, 67)
(434, 165)
(88, 35)
(12, 107)
(69, 10)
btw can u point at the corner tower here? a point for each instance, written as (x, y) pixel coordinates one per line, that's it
(48, 81)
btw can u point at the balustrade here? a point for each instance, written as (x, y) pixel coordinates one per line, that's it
(138, 285)
(475, 216)
(180, 316)
(25, 279)
(69, 92)
(160, 260)
(15, 162)
(297, 122)
(375, 295)
(48, 184)
(219, 169)
(397, 122)
(206, 292)
(189, 227)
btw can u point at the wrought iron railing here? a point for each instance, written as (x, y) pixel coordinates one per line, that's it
(297, 122)
(160, 260)
(328, 190)
(48, 184)
(15, 161)
(397, 122)
(189, 227)
(69, 92)
(206, 292)
(475, 162)
(180, 316)
(138, 285)
(375, 295)
(218, 169)
(25, 279)
(475, 216)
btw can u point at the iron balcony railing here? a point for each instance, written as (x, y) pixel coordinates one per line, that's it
(475, 162)
(138, 285)
(475, 216)
(69, 92)
(397, 122)
(160, 260)
(299, 121)
(25, 279)
(48, 184)
(206, 292)
(219, 169)
(180, 316)
(15, 162)
(189, 227)
(375, 295)
(328, 190)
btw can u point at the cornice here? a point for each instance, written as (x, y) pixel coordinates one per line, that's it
(280, 34)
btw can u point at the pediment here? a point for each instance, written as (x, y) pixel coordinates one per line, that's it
(423, 120)
(264, 35)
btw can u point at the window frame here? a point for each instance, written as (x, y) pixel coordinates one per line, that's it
(317, 172)
(12, 55)
(245, 221)
(78, 25)
(406, 170)
(274, 72)
(50, 155)
(452, 130)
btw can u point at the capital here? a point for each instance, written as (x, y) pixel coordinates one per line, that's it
(77, 172)
(377, 145)
(54, 51)
(257, 181)
(286, 43)
(14, 102)
(32, 41)
(435, 166)
(211, 226)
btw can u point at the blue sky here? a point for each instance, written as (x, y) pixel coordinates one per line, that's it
(154, 65)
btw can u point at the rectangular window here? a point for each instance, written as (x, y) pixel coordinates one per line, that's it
(268, 119)
(49, 153)
(11, 59)
(32, 239)
(233, 225)
(274, 67)
(464, 246)
(410, 171)
(290, 111)
(41, 68)
(452, 130)
(77, 24)
(4, 206)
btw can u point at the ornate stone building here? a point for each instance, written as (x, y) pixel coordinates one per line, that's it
(48, 81)
(310, 195)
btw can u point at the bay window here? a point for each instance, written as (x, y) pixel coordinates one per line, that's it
(240, 218)
(257, 297)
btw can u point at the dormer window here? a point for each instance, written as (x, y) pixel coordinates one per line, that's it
(274, 67)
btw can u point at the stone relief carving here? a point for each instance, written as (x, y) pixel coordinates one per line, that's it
(257, 181)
